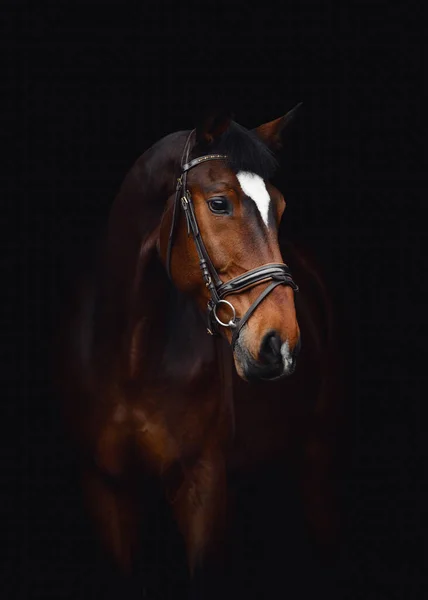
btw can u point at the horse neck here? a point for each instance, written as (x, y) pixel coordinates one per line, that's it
(134, 217)
(167, 339)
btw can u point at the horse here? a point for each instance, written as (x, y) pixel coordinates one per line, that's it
(193, 355)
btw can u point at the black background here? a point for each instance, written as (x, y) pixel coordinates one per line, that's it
(88, 87)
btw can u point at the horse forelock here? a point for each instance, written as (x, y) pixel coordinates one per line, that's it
(245, 151)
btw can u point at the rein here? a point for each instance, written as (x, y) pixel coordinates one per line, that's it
(277, 273)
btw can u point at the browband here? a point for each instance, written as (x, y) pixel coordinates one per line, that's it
(197, 161)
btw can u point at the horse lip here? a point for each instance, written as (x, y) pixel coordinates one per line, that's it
(255, 371)
(275, 378)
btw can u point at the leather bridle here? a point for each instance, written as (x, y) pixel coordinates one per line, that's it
(276, 273)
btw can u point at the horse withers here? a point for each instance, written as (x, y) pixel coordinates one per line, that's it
(179, 360)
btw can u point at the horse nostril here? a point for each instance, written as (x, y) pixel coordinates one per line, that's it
(270, 349)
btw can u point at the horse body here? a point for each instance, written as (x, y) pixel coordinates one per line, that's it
(144, 385)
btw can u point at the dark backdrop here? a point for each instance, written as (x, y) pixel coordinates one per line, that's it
(88, 87)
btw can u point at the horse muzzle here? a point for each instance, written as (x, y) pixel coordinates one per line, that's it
(276, 359)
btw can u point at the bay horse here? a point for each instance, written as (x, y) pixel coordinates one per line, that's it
(196, 354)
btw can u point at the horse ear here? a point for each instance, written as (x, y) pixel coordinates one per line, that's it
(212, 124)
(271, 133)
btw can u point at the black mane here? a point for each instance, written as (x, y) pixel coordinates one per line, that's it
(245, 151)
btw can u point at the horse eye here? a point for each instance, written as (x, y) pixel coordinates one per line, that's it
(219, 206)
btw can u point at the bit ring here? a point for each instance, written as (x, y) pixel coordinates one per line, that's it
(231, 323)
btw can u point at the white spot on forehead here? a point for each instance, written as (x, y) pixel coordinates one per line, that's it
(255, 188)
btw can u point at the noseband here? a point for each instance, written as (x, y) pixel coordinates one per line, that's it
(277, 273)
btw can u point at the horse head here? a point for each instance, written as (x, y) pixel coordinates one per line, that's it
(218, 240)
